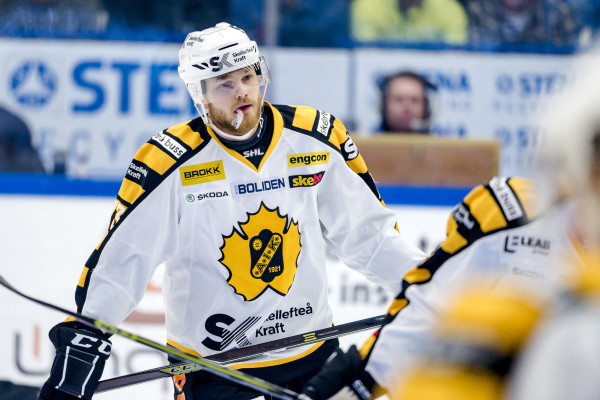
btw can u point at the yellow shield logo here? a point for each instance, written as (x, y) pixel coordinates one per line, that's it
(263, 255)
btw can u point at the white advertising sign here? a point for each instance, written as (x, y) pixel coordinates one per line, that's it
(95, 102)
(479, 95)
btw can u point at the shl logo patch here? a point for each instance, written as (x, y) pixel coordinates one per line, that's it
(262, 255)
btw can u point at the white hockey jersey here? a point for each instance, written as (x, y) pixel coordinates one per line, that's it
(495, 238)
(244, 247)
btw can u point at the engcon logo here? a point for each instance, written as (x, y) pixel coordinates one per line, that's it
(306, 180)
(201, 173)
(303, 159)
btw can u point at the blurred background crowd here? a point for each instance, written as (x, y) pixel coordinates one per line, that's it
(488, 25)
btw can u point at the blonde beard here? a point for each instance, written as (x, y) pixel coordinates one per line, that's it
(223, 122)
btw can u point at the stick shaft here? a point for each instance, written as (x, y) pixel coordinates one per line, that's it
(243, 353)
(209, 366)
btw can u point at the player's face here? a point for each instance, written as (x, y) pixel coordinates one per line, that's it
(405, 103)
(237, 90)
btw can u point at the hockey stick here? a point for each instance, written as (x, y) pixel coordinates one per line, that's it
(243, 353)
(210, 366)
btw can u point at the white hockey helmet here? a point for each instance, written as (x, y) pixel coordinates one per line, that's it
(216, 51)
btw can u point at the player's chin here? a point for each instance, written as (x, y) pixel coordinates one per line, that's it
(249, 122)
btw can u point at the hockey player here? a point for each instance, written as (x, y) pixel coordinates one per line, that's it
(562, 358)
(240, 204)
(510, 342)
(519, 347)
(495, 235)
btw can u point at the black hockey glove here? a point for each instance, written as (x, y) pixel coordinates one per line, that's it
(81, 353)
(344, 369)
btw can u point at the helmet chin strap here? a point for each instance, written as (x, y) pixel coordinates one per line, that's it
(236, 138)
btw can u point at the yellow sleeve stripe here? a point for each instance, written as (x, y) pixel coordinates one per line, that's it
(102, 241)
(304, 118)
(396, 306)
(525, 190)
(367, 346)
(130, 191)
(485, 210)
(154, 158)
(82, 277)
(455, 241)
(186, 134)
(416, 275)
(338, 134)
(358, 165)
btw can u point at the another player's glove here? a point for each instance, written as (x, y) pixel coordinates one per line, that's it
(344, 369)
(81, 353)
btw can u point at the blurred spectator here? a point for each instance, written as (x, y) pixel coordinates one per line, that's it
(52, 17)
(587, 14)
(300, 23)
(434, 21)
(180, 15)
(406, 103)
(16, 152)
(493, 22)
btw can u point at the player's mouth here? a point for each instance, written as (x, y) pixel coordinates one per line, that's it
(244, 108)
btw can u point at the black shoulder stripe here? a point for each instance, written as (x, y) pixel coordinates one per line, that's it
(143, 175)
(287, 113)
(368, 179)
(315, 123)
(466, 225)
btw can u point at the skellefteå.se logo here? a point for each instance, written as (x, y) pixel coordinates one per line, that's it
(33, 84)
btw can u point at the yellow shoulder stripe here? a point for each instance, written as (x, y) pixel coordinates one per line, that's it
(186, 134)
(154, 158)
(338, 134)
(525, 190)
(485, 210)
(304, 118)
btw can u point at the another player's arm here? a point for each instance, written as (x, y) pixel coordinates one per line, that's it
(500, 204)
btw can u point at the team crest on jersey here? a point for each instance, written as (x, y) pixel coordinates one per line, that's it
(262, 255)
